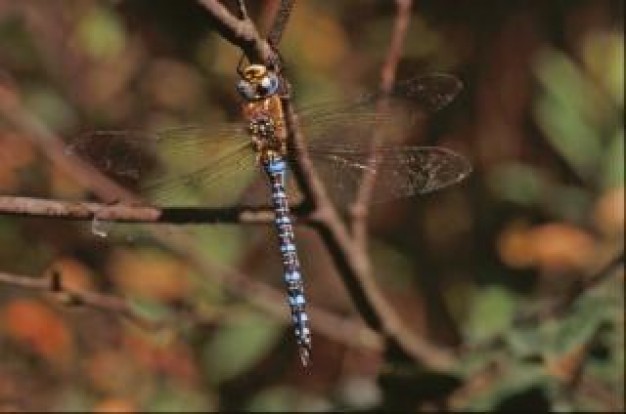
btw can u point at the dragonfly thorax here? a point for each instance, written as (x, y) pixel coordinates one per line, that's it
(263, 110)
(267, 143)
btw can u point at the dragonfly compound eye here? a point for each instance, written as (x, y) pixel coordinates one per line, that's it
(268, 85)
(246, 90)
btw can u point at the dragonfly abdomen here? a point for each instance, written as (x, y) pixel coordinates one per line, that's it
(276, 169)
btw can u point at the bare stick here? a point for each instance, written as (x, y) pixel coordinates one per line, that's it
(342, 330)
(350, 254)
(354, 265)
(351, 260)
(53, 284)
(387, 79)
(280, 21)
(81, 211)
(262, 296)
(240, 32)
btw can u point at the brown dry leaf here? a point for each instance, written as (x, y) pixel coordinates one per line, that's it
(560, 247)
(149, 274)
(608, 214)
(515, 247)
(37, 326)
(15, 152)
(74, 275)
(115, 405)
(566, 367)
(111, 371)
(171, 357)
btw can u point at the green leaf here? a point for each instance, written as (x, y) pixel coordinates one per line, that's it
(577, 142)
(285, 399)
(567, 202)
(174, 399)
(149, 309)
(524, 343)
(222, 243)
(603, 55)
(579, 326)
(571, 89)
(571, 111)
(277, 399)
(101, 34)
(239, 345)
(518, 183)
(50, 107)
(491, 313)
(613, 165)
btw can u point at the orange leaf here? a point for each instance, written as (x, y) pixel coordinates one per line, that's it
(608, 214)
(37, 326)
(149, 274)
(115, 405)
(562, 247)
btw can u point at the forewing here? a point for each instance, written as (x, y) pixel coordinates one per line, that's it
(173, 166)
(430, 92)
(419, 95)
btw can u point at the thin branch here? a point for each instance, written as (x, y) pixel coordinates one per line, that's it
(257, 293)
(351, 261)
(349, 254)
(243, 10)
(240, 32)
(55, 149)
(359, 211)
(54, 284)
(342, 330)
(81, 211)
(280, 21)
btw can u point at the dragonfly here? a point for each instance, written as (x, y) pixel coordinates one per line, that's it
(339, 143)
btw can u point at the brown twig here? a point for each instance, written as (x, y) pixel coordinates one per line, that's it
(261, 295)
(280, 21)
(349, 255)
(359, 208)
(54, 284)
(352, 261)
(264, 297)
(342, 330)
(239, 31)
(80, 210)
(354, 265)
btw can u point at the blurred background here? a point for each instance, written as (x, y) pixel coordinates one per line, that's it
(478, 267)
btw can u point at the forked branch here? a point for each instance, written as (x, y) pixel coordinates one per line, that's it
(349, 254)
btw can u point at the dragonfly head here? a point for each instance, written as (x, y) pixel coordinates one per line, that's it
(257, 83)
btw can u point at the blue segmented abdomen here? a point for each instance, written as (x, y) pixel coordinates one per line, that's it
(276, 170)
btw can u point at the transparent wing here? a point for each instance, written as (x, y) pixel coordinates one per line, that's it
(410, 98)
(398, 171)
(214, 165)
(170, 166)
(430, 92)
(339, 137)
